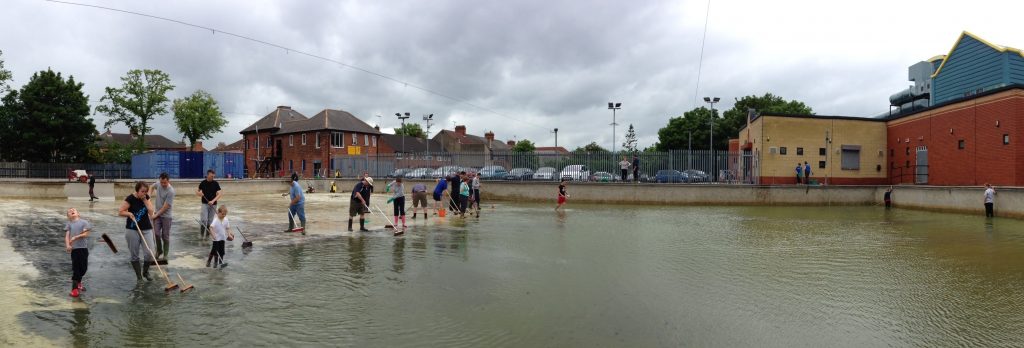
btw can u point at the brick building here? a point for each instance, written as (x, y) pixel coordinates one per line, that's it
(154, 142)
(285, 141)
(415, 154)
(471, 150)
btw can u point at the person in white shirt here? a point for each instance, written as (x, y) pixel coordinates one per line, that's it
(624, 165)
(220, 230)
(990, 198)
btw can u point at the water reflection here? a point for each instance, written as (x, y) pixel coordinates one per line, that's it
(357, 254)
(398, 255)
(80, 327)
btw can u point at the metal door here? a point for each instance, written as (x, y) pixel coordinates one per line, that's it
(921, 170)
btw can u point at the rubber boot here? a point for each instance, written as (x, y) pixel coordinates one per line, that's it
(145, 271)
(403, 221)
(167, 249)
(138, 270)
(350, 225)
(159, 246)
(362, 226)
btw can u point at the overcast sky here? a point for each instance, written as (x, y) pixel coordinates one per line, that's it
(538, 65)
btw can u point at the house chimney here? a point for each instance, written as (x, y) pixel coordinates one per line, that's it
(377, 127)
(460, 130)
(511, 143)
(489, 136)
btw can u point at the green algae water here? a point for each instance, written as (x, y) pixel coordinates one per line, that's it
(525, 276)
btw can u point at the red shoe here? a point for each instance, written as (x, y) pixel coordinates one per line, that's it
(74, 292)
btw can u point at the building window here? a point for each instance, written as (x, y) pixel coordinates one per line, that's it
(303, 139)
(782, 150)
(291, 140)
(303, 166)
(291, 166)
(337, 139)
(366, 139)
(355, 139)
(374, 140)
(851, 157)
(821, 164)
(317, 138)
(821, 151)
(960, 144)
(1006, 139)
(799, 151)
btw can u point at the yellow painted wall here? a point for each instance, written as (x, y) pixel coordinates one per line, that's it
(767, 132)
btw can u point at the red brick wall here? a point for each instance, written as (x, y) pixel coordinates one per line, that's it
(295, 153)
(984, 158)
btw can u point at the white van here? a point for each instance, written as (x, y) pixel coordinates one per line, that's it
(575, 172)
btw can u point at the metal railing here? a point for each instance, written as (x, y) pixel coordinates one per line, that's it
(63, 170)
(916, 174)
(672, 166)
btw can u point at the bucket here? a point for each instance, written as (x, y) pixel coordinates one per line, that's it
(442, 212)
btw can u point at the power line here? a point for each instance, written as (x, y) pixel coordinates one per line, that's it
(700, 62)
(290, 50)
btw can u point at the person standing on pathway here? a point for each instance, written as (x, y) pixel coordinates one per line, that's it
(137, 209)
(624, 165)
(807, 173)
(210, 192)
(419, 199)
(76, 232)
(359, 203)
(636, 168)
(799, 172)
(92, 184)
(297, 206)
(990, 199)
(163, 201)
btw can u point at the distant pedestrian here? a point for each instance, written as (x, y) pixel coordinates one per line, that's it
(799, 172)
(807, 173)
(76, 234)
(439, 192)
(888, 197)
(92, 184)
(163, 202)
(636, 168)
(210, 192)
(624, 165)
(419, 199)
(990, 198)
(562, 195)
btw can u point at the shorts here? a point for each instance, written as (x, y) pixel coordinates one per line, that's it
(356, 207)
(419, 199)
(437, 196)
(561, 199)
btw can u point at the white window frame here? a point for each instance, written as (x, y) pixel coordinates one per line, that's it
(303, 139)
(366, 140)
(374, 140)
(355, 139)
(317, 138)
(340, 137)
(291, 139)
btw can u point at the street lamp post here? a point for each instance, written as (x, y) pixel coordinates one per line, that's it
(711, 143)
(613, 107)
(689, 149)
(427, 119)
(556, 136)
(402, 118)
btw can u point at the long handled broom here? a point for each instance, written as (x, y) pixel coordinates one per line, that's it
(170, 285)
(187, 286)
(397, 231)
(246, 243)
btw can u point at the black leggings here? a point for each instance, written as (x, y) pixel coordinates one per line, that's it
(79, 263)
(400, 206)
(988, 210)
(218, 249)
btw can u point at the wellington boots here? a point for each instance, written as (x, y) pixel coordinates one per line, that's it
(145, 271)
(350, 225)
(159, 246)
(167, 250)
(138, 269)
(362, 226)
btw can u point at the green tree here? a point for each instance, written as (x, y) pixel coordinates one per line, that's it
(736, 118)
(141, 98)
(411, 130)
(111, 152)
(524, 145)
(696, 123)
(592, 147)
(198, 117)
(47, 120)
(5, 76)
(629, 145)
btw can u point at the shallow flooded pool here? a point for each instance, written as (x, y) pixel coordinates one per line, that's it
(524, 275)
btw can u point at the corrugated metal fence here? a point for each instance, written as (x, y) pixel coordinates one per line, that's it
(62, 170)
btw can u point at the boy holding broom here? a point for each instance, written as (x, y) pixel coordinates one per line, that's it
(75, 243)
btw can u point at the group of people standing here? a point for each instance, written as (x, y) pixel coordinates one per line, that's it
(803, 172)
(625, 165)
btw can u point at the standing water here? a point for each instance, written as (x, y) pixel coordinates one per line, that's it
(524, 275)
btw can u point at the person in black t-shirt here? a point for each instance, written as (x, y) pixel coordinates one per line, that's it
(360, 202)
(138, 212)
(209, 191)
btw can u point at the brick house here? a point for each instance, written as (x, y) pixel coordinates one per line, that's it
(285, 141)
(472, 150)
(154, 142)
(415, 154)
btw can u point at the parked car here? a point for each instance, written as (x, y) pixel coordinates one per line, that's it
(693, 175)
(420, 173)
(669, 176)
(643, 178)
(78, 175)
(444, 171)
(575, 172)
(545, 173)
(604, 177)
(520, 174)
(400, 172)
(493, 173)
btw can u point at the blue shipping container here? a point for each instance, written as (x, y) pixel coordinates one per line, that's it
(215, 161)
(191, 165)
(149, 165)
(234, 165)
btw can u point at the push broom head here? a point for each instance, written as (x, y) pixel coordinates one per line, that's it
(247, 244)
(187, 288)
(170, 287)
